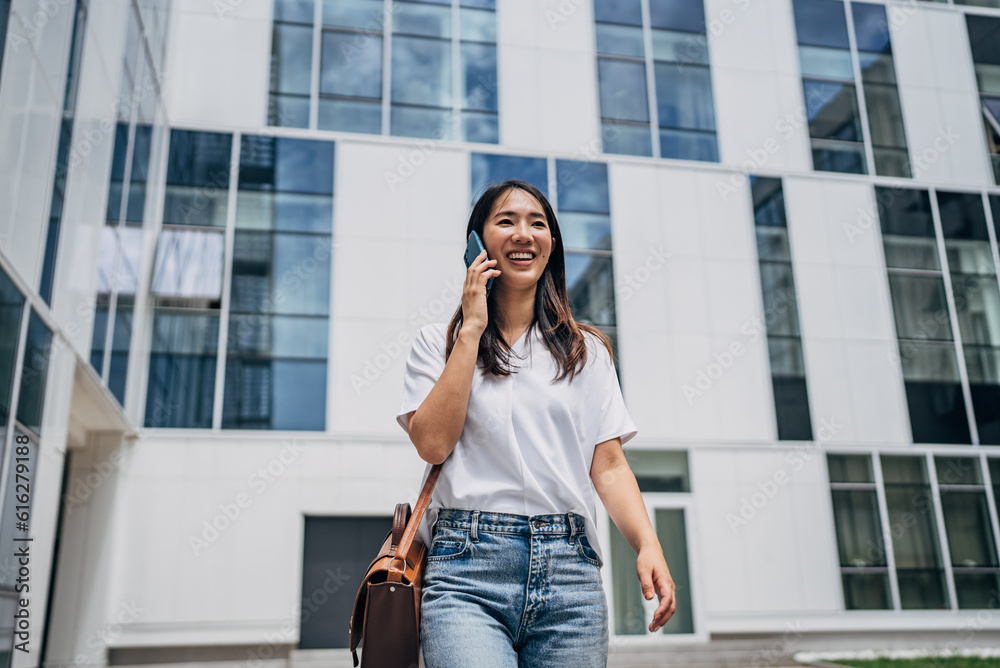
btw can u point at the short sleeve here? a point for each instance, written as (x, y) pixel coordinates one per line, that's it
(615, 420)
(423, 368)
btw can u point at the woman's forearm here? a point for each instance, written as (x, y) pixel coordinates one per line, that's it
(619, 492)
(437, 424)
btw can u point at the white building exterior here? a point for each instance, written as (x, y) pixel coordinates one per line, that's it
(186, 544)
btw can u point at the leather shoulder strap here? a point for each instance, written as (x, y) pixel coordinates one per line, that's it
(415, 517)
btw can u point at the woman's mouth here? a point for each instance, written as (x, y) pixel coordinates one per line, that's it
(521, 258)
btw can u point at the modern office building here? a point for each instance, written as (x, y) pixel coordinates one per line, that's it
(222, 223)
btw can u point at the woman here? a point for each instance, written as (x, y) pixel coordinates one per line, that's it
(513, 571)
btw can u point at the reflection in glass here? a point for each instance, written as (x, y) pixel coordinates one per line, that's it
(421, 71)
(182, 369)
(623, 90)
(490, 170)
(351, 66)
(188, 264)
(34, 373)
(590, 288)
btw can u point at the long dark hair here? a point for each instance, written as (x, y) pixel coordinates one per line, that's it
(564, 336)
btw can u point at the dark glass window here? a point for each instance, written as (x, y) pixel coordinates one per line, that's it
(659, 470)
(34, 373)
(784, 341)
(490, 170)
(984, 37)
(182, 365)
(11, 307)
(821, 23)
(197, 178)
(335, 550)
(280, 295)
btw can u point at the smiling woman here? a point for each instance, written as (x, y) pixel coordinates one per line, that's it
(514, 558)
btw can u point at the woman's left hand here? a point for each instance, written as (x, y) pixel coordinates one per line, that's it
(654, 576)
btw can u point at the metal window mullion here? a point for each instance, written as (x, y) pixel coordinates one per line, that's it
(956, 333)
(313, 121)
(991, 502)
(883, 509)
(991, 232)
(949, 575)
(859, 89)
(227, 279)
(386, 64)
(456, 73)
(647, 46)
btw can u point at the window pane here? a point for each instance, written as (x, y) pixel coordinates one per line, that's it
(478, 25)
(288, 111)
(362, 14)
(260, 283)
(677, 15)
(768, 201)
(680, 47)
(986, 403)
(927, 360)
(684, 97)
(350, 69)
(350, 116)
(866, 591)
(585, 231)
(920, 307)
(200, 206)
(618, 11)
(983, 364)
(481, 127)
(970, 536)
(490, 170)
(421, 71)
(910, 252)
(871, 29)
(420, 122)
(856, 516)
(291, 59)
(189, 264)
(590, 287)
(479, 76)
(294, 10)
(970, 257)
(937, 412)
(659, 470)
(826, 62)
(838, 156)
(689, 145)
(778, 288)
(278, 336)
(832, 110)
(962, 216)
(623, 90)
(199, 159)
(772, 244)
(786, 356)
(274, 394)
(286, 212)
(34, 373)
(791, 406)
(626, 139)
(877, 67)
(821, 23)
(9, 563)
(620, 40)
(417, 18)
(905, 212)
(885, 116)
(977, 302)
(182, 370)
(293, 165)
(958, 471)
(582, 186)
(850, 468)
(670, 530)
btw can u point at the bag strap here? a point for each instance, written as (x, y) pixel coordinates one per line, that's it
(396, 575)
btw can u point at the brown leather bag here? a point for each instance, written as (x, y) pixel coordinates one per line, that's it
(387, 606)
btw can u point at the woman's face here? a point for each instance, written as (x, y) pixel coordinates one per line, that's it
(517, 225)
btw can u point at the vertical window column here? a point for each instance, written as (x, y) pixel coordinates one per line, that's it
(784, 339)
(290, 86)
(864, 569)
(977, 304)
(621, 74)
(967, 522)
(878, 82)
(934, 392)
(279, 309)
(829, 86)
(187, 281)
(984, 38)
(350, 82)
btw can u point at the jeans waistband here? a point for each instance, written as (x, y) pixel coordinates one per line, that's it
(552, 524)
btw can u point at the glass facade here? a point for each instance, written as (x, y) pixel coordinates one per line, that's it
(411, 68)
(661, 58)
(781, 318)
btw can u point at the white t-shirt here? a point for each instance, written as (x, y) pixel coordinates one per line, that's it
(527, 444)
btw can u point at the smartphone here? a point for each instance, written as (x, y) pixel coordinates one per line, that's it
(472, 251)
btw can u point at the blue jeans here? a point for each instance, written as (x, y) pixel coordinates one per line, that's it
(504, 591)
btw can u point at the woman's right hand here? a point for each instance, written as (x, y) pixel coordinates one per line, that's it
(474, 311)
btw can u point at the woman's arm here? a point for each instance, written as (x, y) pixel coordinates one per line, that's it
(616, 485)
(437, 424)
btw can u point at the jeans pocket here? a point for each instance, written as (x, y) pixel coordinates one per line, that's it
(587, 551)
(448, 543)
